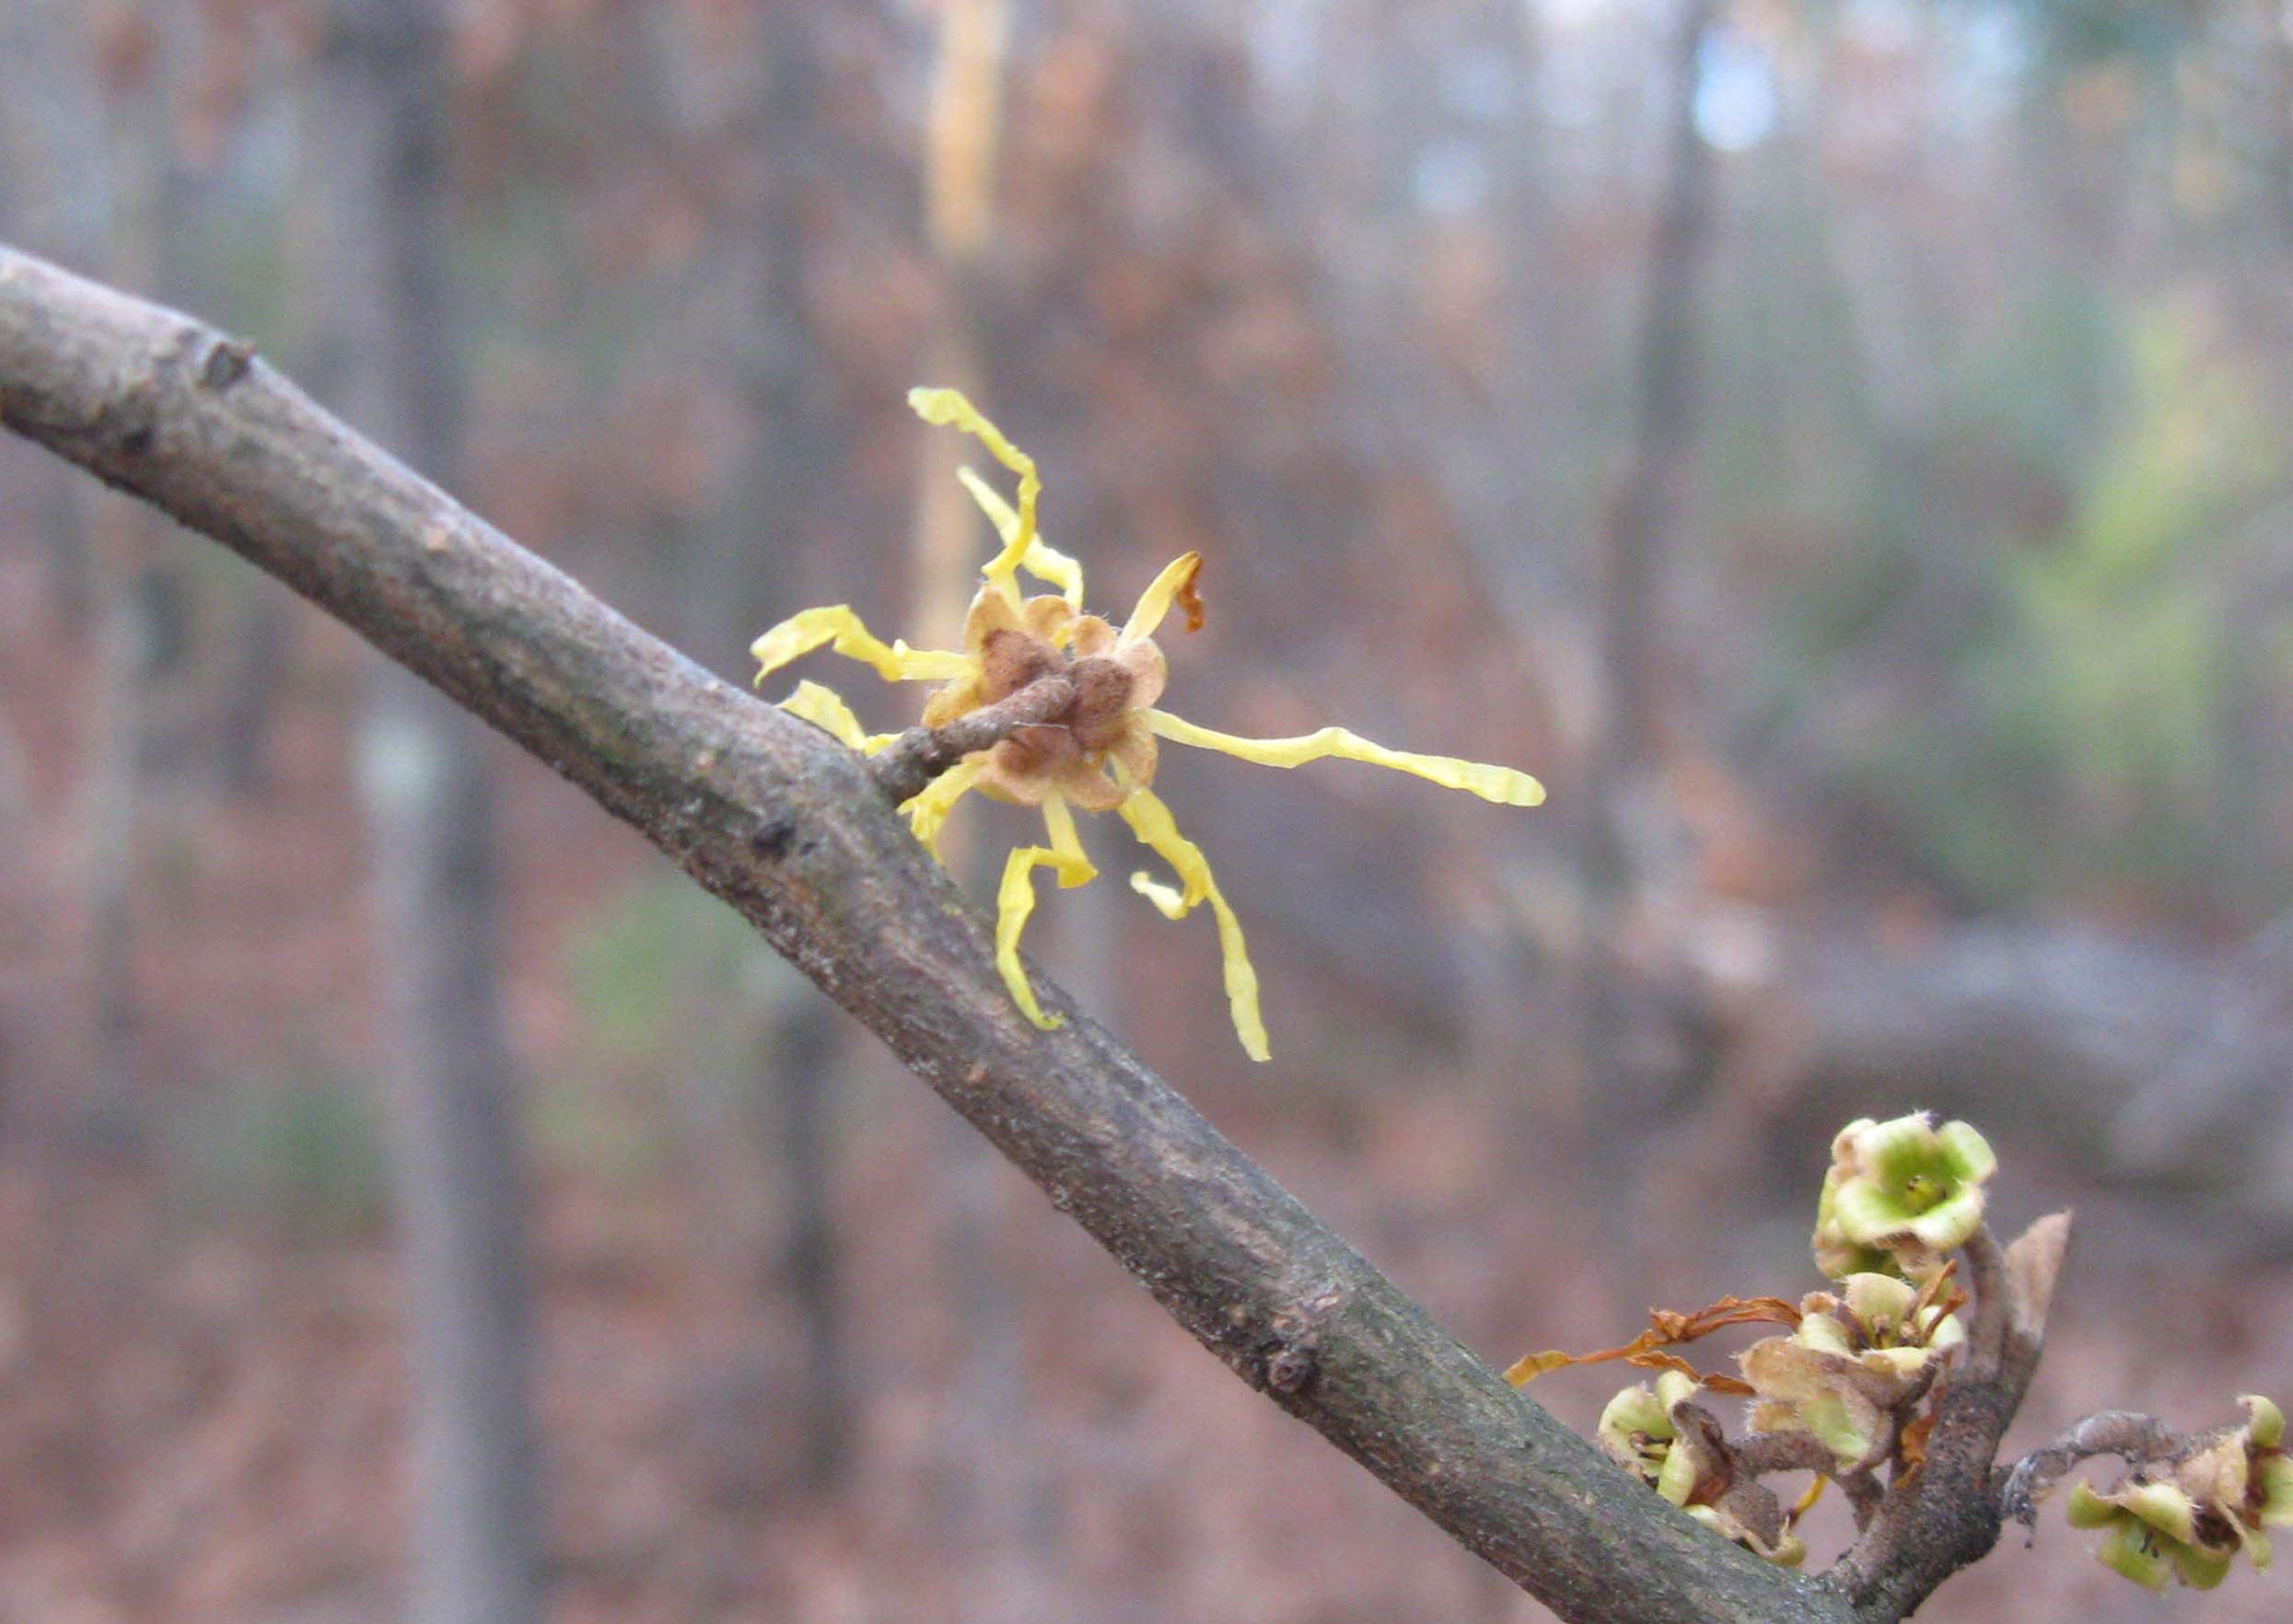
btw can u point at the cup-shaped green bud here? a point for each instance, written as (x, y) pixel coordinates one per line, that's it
(2268, 1474)
(1806, 1389)
(1885, 1318)
(2189, 1518)
(1837, 1257)
(1676, 1448)
(1905, 1190)
(1636, 1430)
(2153, 1535)
(2274, 1475)
(2265, 1422)
(1854, 1358)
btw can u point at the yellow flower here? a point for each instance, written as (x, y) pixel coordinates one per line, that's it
(1098, 753)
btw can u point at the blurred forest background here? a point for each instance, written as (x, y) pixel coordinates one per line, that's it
(1839, 445)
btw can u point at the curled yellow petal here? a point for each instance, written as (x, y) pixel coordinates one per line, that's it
(1151, 822)
(1075, 868)
(928, 810)
(1155, 602)
(838, 627)
(825, 709)
(1166, 898)
(1041, 559)
(1015, 899)
(1501, 784)
(949, 409)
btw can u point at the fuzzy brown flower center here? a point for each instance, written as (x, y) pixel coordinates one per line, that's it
(1010, 660)
(1090, 723)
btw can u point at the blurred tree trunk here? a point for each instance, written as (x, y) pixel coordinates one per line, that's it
(797, 1064)
(131, 67)
(779, 363)
(1623, 1054)
(993, 1493)
(57, 102)
(747, 91)
(376, 143)
(256, 683)
(756, 562)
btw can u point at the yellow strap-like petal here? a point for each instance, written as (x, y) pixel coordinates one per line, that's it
(837, 626)
(928, 810)
(949, 409)
(1151, 822)
(1015, 899)
(825, 709)
(1075, 867)
(1501, 784)
(1041, 559)
(1155, 602)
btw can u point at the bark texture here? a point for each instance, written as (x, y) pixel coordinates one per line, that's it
(786, 826)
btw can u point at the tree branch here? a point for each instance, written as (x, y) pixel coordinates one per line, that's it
(791, 828)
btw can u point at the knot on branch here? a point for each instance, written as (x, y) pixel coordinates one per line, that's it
(1292, 1366)
(1289, 1355)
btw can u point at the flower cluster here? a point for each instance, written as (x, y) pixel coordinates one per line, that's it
(1857, 1359)
(1842, 1393)
(1098, 753)
(1873, 1369)
(1675, 1447)
(2188, 1518)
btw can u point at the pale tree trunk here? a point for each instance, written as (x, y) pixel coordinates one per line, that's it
(136, 127)
(56, 124)
(376, 142)
(992, 1494)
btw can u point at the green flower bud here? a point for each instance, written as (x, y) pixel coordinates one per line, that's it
(1899, 1194)
(2188, 1518)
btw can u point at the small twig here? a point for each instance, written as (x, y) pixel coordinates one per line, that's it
(1784, 1452)
(1865, 1494)
(1986, 1271)
(905, 766)
(2134, 1438)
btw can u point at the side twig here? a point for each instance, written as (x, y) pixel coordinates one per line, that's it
(2136, 1439)
(902, 768)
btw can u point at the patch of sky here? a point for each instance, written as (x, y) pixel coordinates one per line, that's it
(1736, 104)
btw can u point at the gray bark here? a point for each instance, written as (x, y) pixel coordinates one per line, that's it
(135, 223)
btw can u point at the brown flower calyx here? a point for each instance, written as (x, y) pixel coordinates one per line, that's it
(1113, 679)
